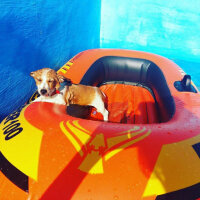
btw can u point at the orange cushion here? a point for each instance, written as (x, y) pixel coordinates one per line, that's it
(128, 104)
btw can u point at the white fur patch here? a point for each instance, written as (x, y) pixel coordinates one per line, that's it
(44, 84)
(98, 103)
(57, 99)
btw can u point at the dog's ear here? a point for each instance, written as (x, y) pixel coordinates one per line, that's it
(62, 79)
(32, 74)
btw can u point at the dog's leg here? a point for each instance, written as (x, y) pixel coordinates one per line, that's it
(98, 103)
(105, 115)
(101, 108)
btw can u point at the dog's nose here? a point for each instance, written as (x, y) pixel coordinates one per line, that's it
(43, 91)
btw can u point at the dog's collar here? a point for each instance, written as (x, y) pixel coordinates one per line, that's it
(55, 92)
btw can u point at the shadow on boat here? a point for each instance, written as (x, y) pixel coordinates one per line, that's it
(162, 155)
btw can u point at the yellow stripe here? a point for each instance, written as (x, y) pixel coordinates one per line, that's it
(126, 135)
(114, 152)
(23, 150)
(62, 70)
(81, 135)
(177, 167)
(71, 138)
(65, 67)
(80, 127)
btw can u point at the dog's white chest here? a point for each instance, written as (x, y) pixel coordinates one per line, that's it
(57, 99)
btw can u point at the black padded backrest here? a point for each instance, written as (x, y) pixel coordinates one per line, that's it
(134, 70)
(112, 68)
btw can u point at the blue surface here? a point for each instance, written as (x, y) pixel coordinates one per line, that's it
(36, 34)
(168, 28)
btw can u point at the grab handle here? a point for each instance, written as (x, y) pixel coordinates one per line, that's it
(185, 85)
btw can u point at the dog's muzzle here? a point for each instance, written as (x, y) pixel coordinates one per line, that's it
(43, 91)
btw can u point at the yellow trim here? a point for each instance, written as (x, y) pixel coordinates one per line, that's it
(126, 135)
(80, 127)
(23, 150)
(177, 167)
(65, 67)
(96, 148)
(81, 135)
(93, 163)
(127, 144)
(71, 138)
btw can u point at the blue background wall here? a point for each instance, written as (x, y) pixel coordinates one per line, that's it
(36, 34)
(39, 33)
(169, 28)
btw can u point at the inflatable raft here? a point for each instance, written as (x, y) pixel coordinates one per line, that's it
(149, 149)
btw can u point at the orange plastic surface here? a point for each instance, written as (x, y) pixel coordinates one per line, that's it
(65, 157)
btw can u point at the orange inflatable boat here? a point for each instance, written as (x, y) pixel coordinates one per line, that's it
(149, 149)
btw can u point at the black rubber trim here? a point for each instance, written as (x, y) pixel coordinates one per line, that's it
(13, 174)
(196, 147)
(189, 193)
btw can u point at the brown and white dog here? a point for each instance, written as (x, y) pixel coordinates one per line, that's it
(48, 83)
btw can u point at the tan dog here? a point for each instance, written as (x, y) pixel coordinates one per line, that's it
(48, 82)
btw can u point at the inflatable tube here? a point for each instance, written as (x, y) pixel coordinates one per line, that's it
(149, 149)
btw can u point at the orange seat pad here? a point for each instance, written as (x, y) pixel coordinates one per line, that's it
(128, 104)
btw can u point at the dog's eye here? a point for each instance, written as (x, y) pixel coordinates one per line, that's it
(39, 79)
(50, 81)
